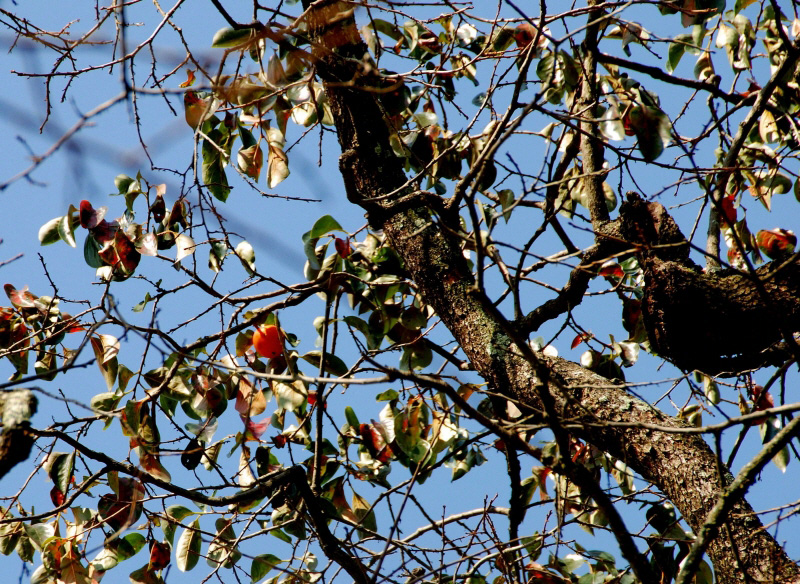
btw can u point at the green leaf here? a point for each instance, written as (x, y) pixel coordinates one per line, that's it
(323, 226)
(388, 395)
(179, 512)
(141, 305)
(214, 171)
(363, 511)
(711, 390)
(48, 233)
(263, 565)
(64, 471)
(39, 533)
(233, 38)
(91, 249)
(217, 255)
(350, 416)
(130, 545)
(676, 50)
(67, 225)
(333, 364)
(221, 550)
(652, 129)
(187, 552)
(123, 182)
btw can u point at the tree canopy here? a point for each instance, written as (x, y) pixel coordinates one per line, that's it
(544, 329)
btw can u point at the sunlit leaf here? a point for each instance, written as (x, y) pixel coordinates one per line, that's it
(184, 245)
(187, 550)
(247, 255)
(333, 364)
(262, 565)
(233, 38)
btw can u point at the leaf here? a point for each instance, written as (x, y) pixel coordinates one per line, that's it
(290, 396)
(234, 38)
(768, 127)
(277, 166)
(189, 79)
(323, 226)
(48, 233)
(250, 401)
(365, 515)
(91, 249)
(711, 390)
(151, 463)
(105, 349)
(333, 364)
(185, 246)
(221, 551)
(187, 551)
(247, 255)
(704, 68)
(139, 307)
(652, 129)
(105, 402)
(217, 255)
(214, 171)
(350, 416)
(262, 565)
(39, 533)
(676, 50)
(250, 160)
(62, 471)
(66, 226)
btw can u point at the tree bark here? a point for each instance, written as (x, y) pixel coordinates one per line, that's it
(682, 466)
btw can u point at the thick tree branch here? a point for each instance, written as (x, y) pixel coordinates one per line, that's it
(591, 139)
(730, 495)
(682, 466)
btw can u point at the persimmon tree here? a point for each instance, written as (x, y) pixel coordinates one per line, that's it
(528, 175)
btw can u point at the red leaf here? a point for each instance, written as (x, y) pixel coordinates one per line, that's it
(762, 400)
(342, 247)
(57, 497)
(158, 209)
(776, 242)
(728, 210)
(583, 337)
(612, 271)
(627, 124)
(20, 298)
(178, 214)
(89, 216)
(524, 34)
(159, 555)
(375, 444)
(631, 313)
(121, 255)
(256, 429)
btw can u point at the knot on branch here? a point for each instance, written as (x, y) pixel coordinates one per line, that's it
(652, 230)
(721, 323)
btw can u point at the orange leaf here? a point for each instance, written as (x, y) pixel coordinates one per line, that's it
(189, 79)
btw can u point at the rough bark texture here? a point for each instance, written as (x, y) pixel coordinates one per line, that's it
(722, 322)
(681, 465)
